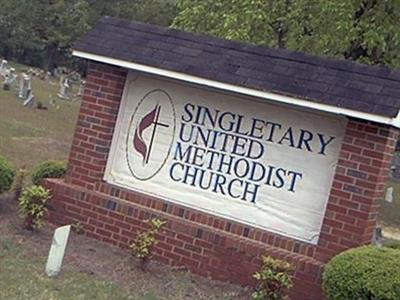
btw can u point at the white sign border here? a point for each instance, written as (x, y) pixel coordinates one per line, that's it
(108, 178)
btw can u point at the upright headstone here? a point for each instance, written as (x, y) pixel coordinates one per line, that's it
(3, 67)
(47, 76)
(56, 73)
(57, 250)
(10, 79)
(64, 89)
(30, 102)
(81, 88)
(24, 86)
(389, 194)
(29, 82)
(6, 83)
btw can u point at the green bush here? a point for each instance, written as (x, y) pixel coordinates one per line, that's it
(6, 175)
(143, 245)
(274, 279)
(48, 169)
(369, 273)
(33, 206)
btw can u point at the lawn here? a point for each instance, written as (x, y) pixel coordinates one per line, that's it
(28, 136)
(22, 277)
(91, 270)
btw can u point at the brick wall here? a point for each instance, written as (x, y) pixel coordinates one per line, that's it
(95, 126)
(358, 186)
(205, 244)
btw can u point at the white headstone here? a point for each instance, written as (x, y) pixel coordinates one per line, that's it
(31, 101)
(64, 89)
(81, 88)
(24, 86)
(10, 80)
(29, 82)
(389, 194)
(3, 67)
(56, 73)
(57, 250)
(47, 76)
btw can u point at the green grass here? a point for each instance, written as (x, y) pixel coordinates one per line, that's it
(22, 277)
(28, 136)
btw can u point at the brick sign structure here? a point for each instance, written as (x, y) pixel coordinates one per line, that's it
(245, 151)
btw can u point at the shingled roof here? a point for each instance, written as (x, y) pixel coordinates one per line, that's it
(337, 83)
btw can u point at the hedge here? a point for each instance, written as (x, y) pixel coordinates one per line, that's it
(48, 169)
(369, 273)
(6, 175)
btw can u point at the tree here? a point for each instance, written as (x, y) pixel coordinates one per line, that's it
(56, 24)
(41, 32)
(45, 28)
(160, 12)
(362, 30)
(14, 33)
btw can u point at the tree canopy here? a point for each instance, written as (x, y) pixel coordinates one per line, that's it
(41, 29)
(367, 31)
(41, 32)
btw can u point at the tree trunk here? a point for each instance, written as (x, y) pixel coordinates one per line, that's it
(50, 57)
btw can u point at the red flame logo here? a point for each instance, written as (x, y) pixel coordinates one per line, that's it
(138, 141)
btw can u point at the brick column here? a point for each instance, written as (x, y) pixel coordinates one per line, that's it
(96, 122)
(358, 186)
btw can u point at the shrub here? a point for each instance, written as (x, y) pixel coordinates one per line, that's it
(274, 279)
(33, 206)
(48, 169)
(143, 245)
(19, 183)
(368, 272)
(6, 175)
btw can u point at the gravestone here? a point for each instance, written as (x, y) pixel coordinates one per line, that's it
(57, 250)
(64, 89)
(389, 194)
(81, 88)
(25, 86)
(47, 76)
(10, 79)
(3, 67)
(30, 102)
(56, 73)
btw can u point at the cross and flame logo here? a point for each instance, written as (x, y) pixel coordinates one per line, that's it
(151, 134)
(152, 118)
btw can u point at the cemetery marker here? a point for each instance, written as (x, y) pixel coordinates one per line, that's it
(57, 250)
(389, 194)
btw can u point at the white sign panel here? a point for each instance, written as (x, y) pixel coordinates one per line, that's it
(254, 162)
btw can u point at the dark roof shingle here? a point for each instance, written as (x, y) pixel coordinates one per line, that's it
(340, 83)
